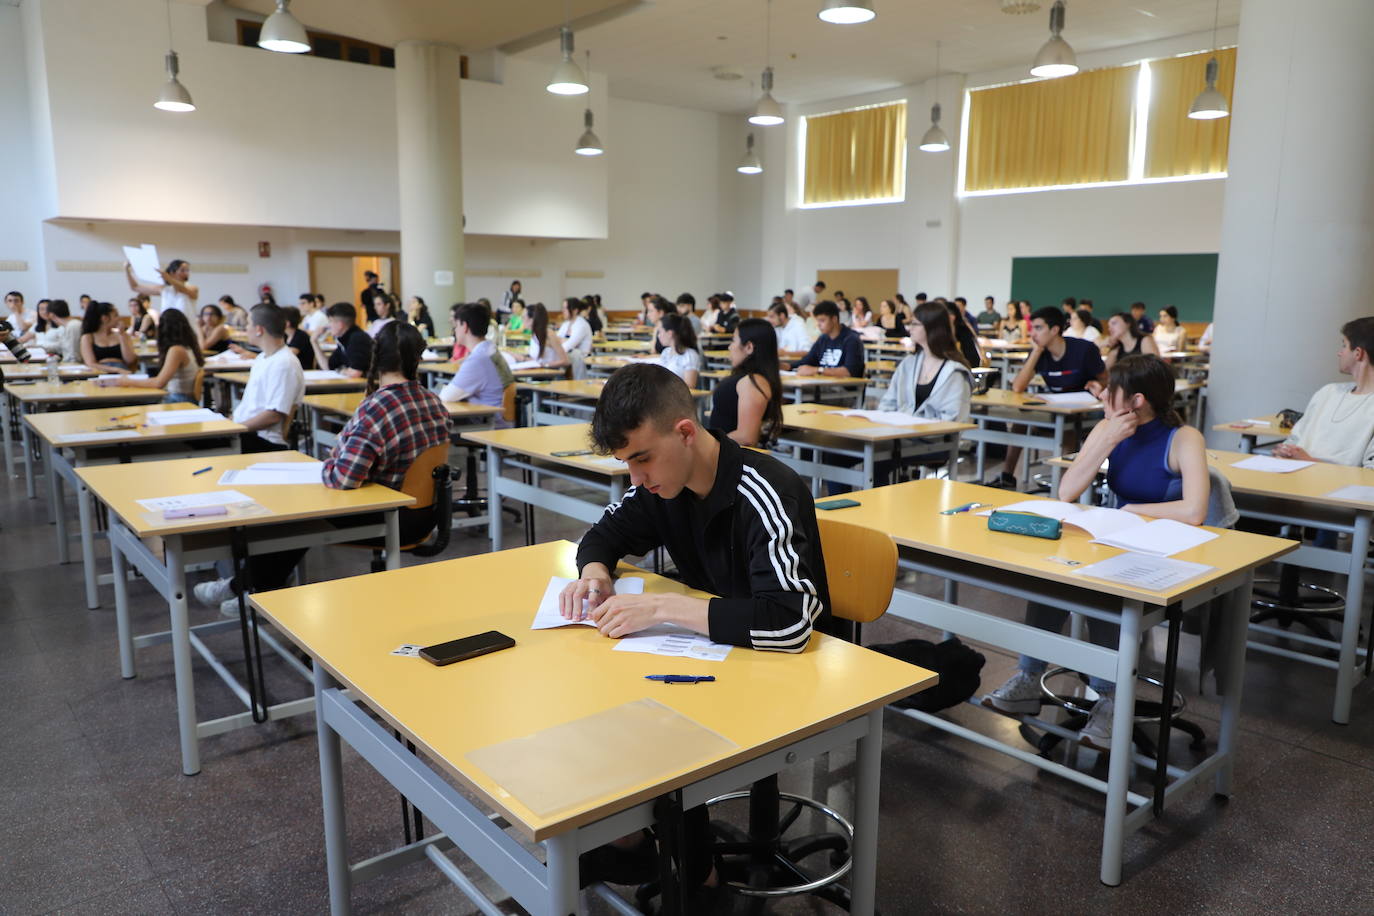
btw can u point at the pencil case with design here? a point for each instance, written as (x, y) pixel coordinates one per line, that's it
(1036, 526)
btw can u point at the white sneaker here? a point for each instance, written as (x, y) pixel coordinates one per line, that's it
(213, 592)
(229, 607)
(1018, 696)
(1097, 733)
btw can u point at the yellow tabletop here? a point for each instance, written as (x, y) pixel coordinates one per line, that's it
(588, 389)
(1268, 427)
(910, 514)
(1006, 398)
(825, 418)
(21, 372)
(311, 385)
(552, 677)
(634, 346)
(615, 362)
(120, 486)
(217, 367)
(346, 405)
(792, 380)
(543, 441)
(1311, 484)
(71, 428)
(87, 392)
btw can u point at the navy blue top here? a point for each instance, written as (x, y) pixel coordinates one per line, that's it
(846, 350)
(1080, 364)
(1138, 468)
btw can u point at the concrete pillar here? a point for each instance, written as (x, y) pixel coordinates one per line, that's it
(430, 158)
(1297, 231)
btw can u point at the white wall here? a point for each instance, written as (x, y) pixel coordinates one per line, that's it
(20, 185)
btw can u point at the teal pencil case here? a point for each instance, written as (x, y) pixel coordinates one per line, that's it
(1036, 526)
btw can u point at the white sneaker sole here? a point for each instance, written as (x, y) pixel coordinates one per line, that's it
(1013, 707)
(1096, 742)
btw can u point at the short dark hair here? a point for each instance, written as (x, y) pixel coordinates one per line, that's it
(636, 394)
(1085, 304)
(687, 298)
(961, 300)
(920, 296)
(786, 291)
(15, 292)
(1360, 333)
(727, 296)
(292, 315)
(989, 299)
(1070, 301)
(826, 307)
(342, 310)
(370, 273)
(820, 284)
(1052, 316)
(398, 348)
(475, 315)
(175, 265)
(1137, 305)
(59, 308)
(269, 318)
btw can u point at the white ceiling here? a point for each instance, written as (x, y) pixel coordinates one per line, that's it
(665, 51)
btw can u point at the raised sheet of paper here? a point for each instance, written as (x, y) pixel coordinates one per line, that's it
(145, 264)
(1162, 537)
(315, 375)
(181, 417)
(1353, 492)
(274, 474)
(1155, 574)
(194, 500)
(1272, 465)
(886, 417)
(547, 616)
(674, 642)
(1068, 398)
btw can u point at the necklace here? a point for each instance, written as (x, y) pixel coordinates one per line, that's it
(1354, 410)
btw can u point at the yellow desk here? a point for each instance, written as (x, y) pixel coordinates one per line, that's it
(813, 432)
(340, 407)
(644, 345)
(1043, 426)
(71, 439)
(801, 387)
(185, 542)
(541, 452)
(233, 384)
(960, 549)
(441, 371)
(560, 676)
(29, 372)
(602, 366)
(568, 401)
(1254, 429)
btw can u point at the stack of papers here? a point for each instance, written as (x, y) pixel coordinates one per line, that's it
(886, 417)
(1154, 574)
(1272, 465)
(194, 500)
(1069, 398)
(315, 375)
(181, 417)
(1117, 528)
(270, 473)
(547, 616)
(121, 377)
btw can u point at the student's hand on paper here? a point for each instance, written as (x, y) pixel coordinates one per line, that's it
(595, 586)
(1287, 450)
(806, 370)
(1094, 388)
(624, 615)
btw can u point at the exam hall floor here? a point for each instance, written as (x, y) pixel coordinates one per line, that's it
(97, 817)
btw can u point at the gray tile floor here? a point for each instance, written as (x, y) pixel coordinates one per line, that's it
(97, 818)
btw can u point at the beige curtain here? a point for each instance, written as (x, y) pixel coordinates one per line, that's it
(1179, 145)
(856, 155)
(1072, 130)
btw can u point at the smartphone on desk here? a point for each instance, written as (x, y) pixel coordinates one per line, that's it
(571, 453)
(457, 650)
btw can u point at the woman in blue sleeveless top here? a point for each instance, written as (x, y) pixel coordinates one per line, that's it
(1156, 467)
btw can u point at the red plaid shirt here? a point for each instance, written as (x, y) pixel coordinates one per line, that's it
(391, 429)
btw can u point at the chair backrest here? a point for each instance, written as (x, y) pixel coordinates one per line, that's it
(419, 479)
(198, 386)
(1221, 507)
(508, 404)
(861, 568)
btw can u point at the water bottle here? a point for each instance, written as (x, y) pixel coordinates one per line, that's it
(53, 376)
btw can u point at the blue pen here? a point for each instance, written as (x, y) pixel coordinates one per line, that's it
(964, 508)
(680, 678)
(202, 470)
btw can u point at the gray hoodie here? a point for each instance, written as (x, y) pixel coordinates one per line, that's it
(949, 399)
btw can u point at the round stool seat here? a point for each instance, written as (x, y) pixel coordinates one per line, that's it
(843, 829)
(1266, 596)
(1145, 710)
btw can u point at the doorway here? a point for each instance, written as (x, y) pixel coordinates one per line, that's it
(873, 285)
(338, 275)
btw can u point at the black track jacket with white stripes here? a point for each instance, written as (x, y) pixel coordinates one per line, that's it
(753, 541)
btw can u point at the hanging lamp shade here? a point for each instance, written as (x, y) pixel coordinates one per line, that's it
(1210, 103)
(1017, 7)
(935, 140)
(174, 96)
(589, 144)
(568, 78)
(768, 112)
(1056, 58)
(283, 32)
(846, 12)
(750, 164)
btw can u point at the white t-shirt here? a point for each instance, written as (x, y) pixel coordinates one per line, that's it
(577, 335)
(793, 336)
(1090, 334)
(277, 383)
(680, 363)
(171, 299)
(376, 326)
(1338, 426)
(314, 321)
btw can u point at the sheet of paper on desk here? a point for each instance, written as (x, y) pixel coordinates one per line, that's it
(268, 473)
(1354, 492)
(1272, 465)
(92, 437)
(886, 417)
(1068, 399)
(121, 377)
(1155, 574)
(610, 461)
(317, 375)
(194, 500)
(180, 417)
(547, 616)
(674, 642)
(1162, 537)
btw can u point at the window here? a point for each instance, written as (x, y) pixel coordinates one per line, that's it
(855, 157)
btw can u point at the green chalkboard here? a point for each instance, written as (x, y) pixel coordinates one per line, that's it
(1113, 282)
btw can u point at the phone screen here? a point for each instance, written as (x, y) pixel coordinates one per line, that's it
(446, 653)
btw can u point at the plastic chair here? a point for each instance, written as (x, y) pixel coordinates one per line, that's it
(429, 481)
(198, 386)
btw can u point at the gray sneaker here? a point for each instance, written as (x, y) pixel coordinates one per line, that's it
(212, 593)
(1020, 695)
(229, 607)
(1097, 733)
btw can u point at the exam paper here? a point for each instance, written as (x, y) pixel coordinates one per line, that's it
(674, 642)
(1272, 465)
(886, 417)
(1353, 492)
(1155, 574)
(144, 261)
(315, 375)
(194, 500)
(181, 417)
(93, 436)
(1162, 537)
(1068, 398)
(547, 616)
(612, 462)
(120, 376)
(274, 473)
(526, 364)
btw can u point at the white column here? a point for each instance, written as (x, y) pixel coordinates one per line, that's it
(1297, 232)
(431, 174)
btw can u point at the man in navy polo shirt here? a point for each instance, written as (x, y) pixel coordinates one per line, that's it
(1065, 363)
(838, 352)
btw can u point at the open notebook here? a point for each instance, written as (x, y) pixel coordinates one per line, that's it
(1162, 537)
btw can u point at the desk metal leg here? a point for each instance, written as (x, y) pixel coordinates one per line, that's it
(1350, 625)
(494, 497)
(121, 589)
(1123, 723)
(86, 512)
(26, 441)
(868, 778)
(181, 655)
(561, 857)
(1236, 607)
(57, 503)
(868, 466)
(8, 439)
(1055, 470)
(332, 799)
(393, 539)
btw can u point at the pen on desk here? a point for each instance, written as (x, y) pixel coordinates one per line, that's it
(123, 416)
(203, 470)
(680, 678)
(964, 508)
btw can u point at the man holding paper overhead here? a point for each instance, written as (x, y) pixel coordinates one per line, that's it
(176, 290)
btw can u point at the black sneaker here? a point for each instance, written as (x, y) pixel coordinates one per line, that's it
(614, 865)
(1003, 481)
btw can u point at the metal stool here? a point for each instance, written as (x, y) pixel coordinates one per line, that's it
(1146, 711)
(1288, 600)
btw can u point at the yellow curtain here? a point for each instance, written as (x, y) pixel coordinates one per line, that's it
(1072, 130)
(1179, 145)
(856, 155)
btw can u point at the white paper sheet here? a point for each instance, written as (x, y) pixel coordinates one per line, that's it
(1353, 492)
(1068, 398)
(1272, 465)
(1162, 537)
(121, 377)
(886, 417)
(1050, 508)
(1155, 574)
(547, 616)
(674, 642)
(611, 462)
(315, 375)
(274, 474)
(144, 261)
(526, 364)
(194, 500)
(427, 353)
(180, 417)
(94, 436)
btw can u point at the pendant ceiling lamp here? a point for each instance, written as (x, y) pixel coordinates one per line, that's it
(1017, 7)
(846, 12)
(283, 32)
(1210, 103)
(750, 164)
(1056, 58)
(174, 96)
(568, 78)
(589, 144)
(935, 140)
(768, 112)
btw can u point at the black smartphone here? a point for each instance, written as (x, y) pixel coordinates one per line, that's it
(446, 653)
